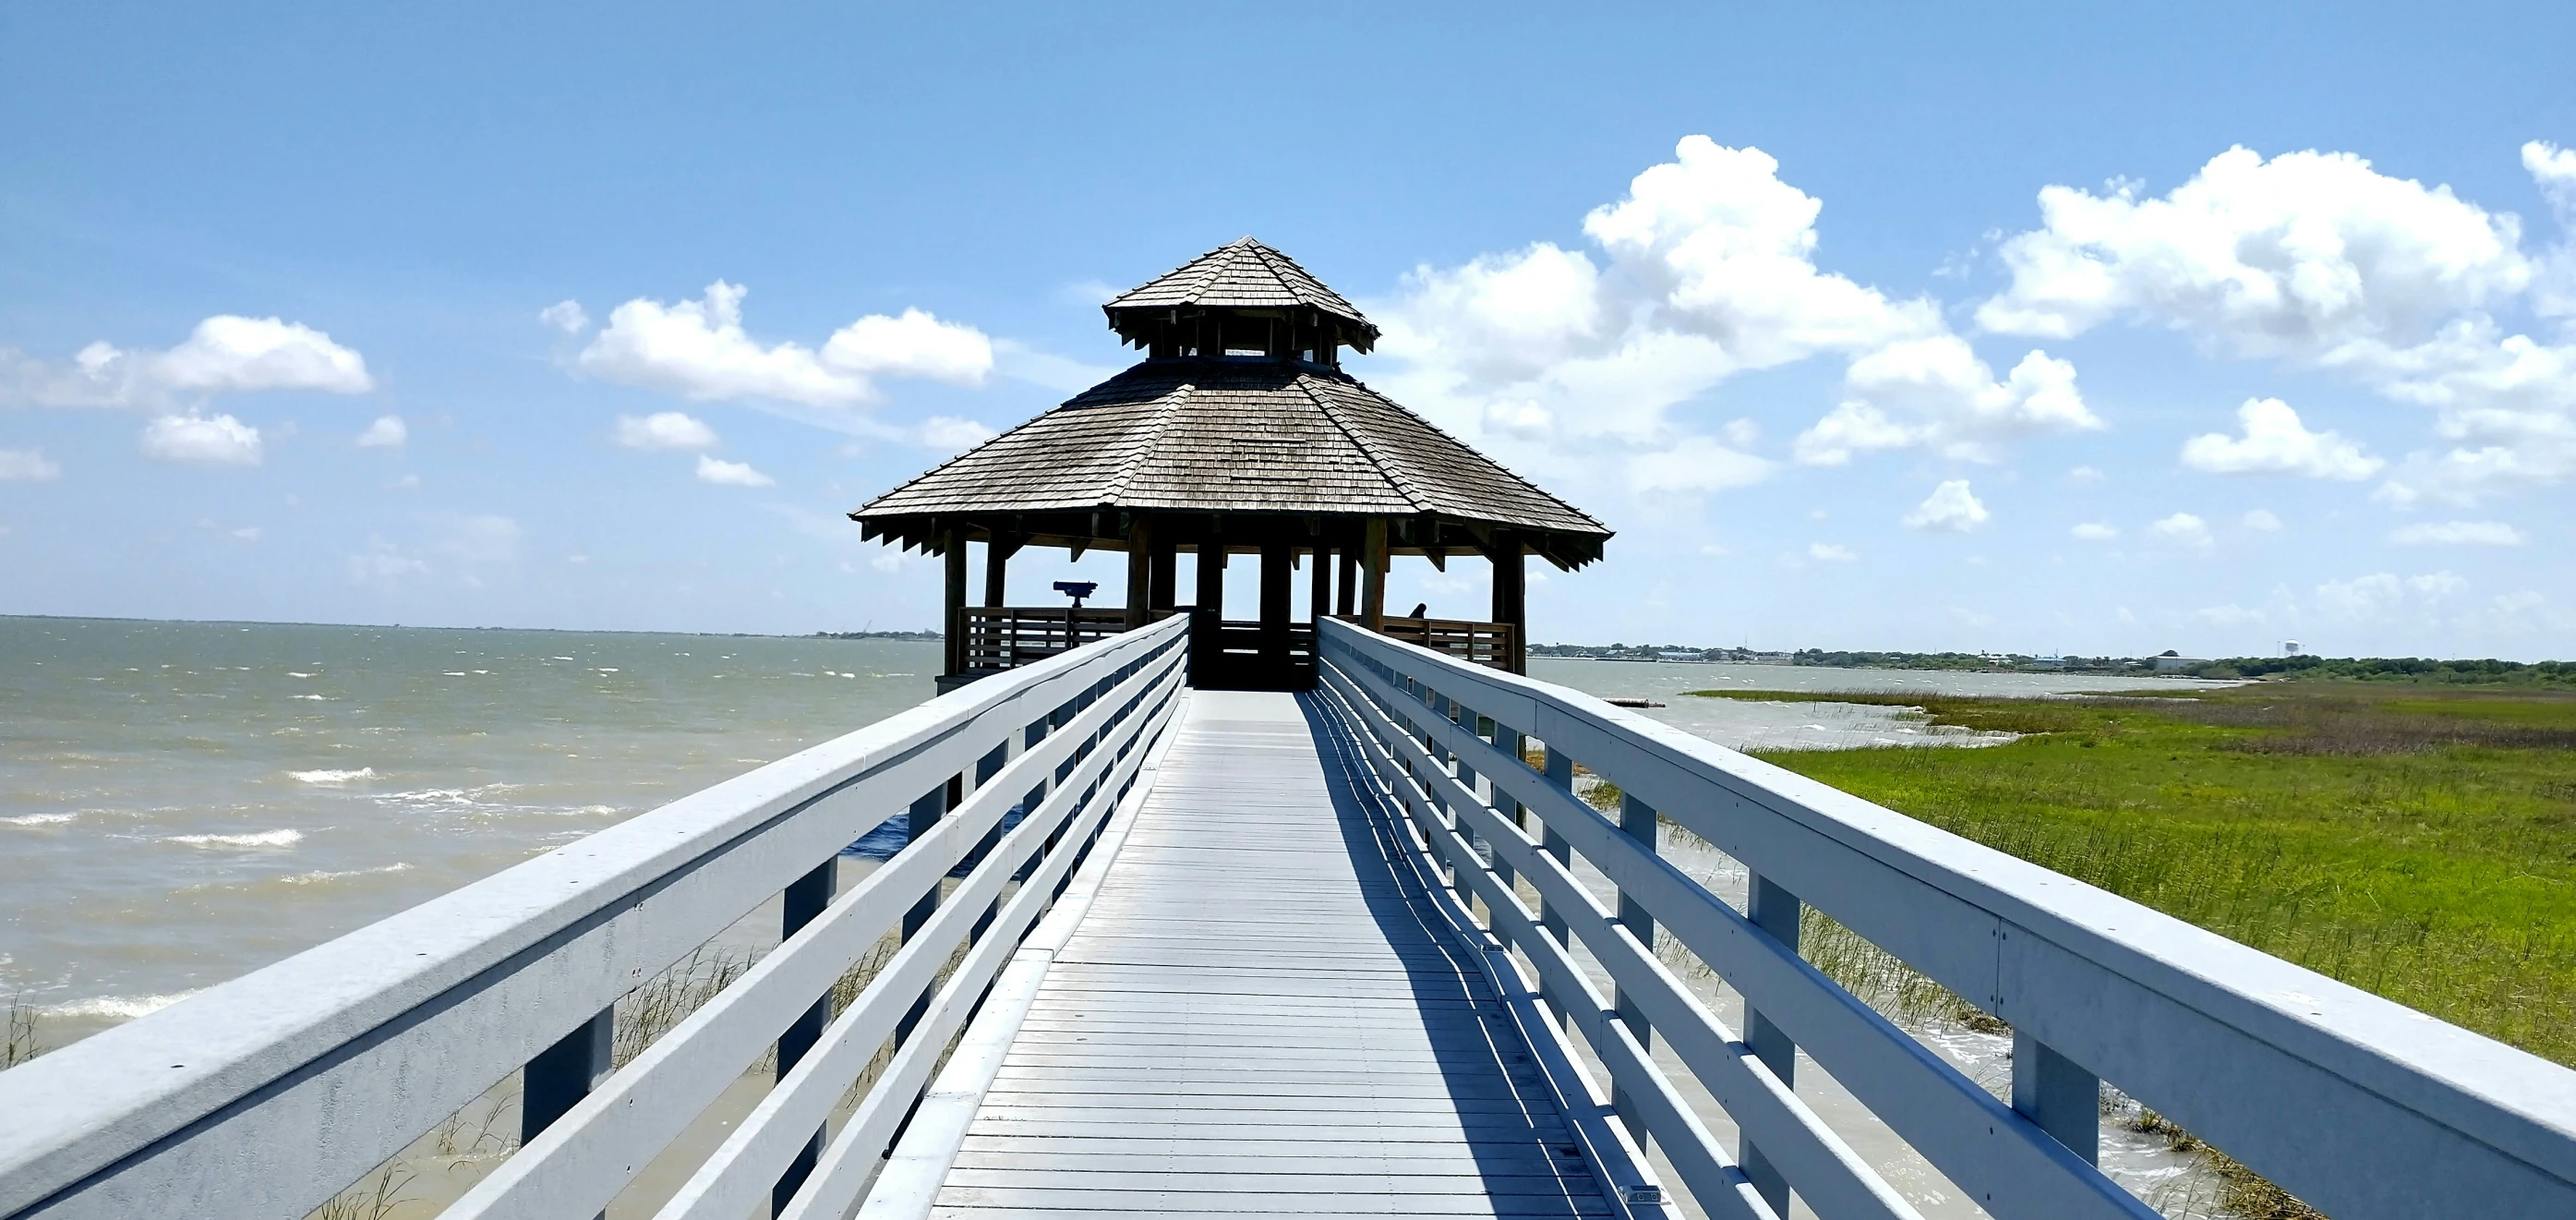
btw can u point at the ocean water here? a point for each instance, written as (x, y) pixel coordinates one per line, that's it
(181, 803)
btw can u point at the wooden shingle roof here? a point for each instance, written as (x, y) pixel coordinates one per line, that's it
(1232, 436)
(1243, 274)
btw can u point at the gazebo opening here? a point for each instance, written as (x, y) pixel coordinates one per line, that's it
(1238, 439)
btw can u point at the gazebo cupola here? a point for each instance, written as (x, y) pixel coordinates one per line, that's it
(1240, 299)
(1237, 435)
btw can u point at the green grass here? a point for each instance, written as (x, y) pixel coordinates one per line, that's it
(2413, 842)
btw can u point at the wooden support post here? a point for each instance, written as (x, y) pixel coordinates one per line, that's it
(953, 549)
(1511, 595)
(1140, 569)
(1207, 621)
(1373, 591)
(1320, 584)
(1276, 575)
(1211, 592)
(1344, 596)
(997, 554)
(1771, 907)
(1166, 572)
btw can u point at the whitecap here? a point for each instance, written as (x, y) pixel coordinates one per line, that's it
(117, 1007)
(318, 876)
(315, 698)
(332, 777)
(591, 811)
(292, 674)
(38, 819)
(604, 671)
(263, 838)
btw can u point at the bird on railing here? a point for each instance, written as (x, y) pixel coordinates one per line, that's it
(1420, 610)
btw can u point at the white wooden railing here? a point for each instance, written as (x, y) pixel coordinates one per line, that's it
(2362, 1107)
(268, 1095)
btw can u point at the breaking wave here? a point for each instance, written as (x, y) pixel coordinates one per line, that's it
(263, 838)
(332, 777)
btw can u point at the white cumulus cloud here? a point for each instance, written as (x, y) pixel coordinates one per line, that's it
(949, 434)
(2297, 254)
(2458, 533)
(2385, 595)
(1951, 508)
(200, 440)
(914, 344)
(730, 474)
(27, 466)
(1575, 359)
(2318, 260)
(699, 350)
(2095, 531)
(2184, 528)
(566, 316)
(1695, 464)
(2275, 442)
(1831, 552)
(388, 432)
(226, 353)
(664, 430)
(1935, 393)
(2261, 521)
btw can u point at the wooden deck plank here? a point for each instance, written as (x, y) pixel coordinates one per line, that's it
(1256, 1017)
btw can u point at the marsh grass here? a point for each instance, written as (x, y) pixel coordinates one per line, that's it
(2417, 843)
(19, 1043)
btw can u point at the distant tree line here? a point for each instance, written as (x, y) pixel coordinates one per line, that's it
(877, 635)
(2393, 669)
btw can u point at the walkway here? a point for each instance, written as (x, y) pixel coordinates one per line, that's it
(1260, 1014)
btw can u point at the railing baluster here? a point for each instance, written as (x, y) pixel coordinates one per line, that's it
(926, 812)
(564, 1073)
(2058, 1095)
(1637, 820)
(803, 901)
(986, 768)
(1560, 775)
(1771, 907)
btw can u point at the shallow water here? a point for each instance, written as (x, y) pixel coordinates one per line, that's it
(1750, 725)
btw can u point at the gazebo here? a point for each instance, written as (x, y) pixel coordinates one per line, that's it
(1237, 435)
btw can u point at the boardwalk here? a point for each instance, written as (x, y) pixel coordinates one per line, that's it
(1232, 981)
(1261, 1014)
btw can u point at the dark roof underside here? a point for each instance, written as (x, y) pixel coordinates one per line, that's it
(1231, 436)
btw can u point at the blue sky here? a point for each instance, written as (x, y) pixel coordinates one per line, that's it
(2183, 326)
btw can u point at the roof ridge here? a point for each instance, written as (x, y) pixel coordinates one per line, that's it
(1489, 459)
(1403, 487)
(1152, 437)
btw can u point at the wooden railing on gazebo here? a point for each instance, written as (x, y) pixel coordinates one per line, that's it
(1007, 637)
(1487, 644)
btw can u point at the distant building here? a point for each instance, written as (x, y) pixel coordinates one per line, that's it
(2290, 648)
(2169, 661)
